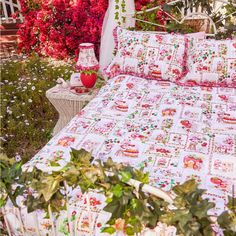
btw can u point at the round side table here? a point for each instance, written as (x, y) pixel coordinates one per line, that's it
(67, 104)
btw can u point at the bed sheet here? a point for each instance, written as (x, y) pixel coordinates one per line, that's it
(174, 132)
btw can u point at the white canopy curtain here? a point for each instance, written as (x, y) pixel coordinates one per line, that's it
(109, 24)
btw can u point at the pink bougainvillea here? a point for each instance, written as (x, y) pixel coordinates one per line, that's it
(55, 28)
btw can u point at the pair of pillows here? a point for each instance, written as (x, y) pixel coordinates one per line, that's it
(183, 59)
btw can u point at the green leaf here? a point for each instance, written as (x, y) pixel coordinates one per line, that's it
(54, 163)
(227, 220)
(117, 190)
(81, 156)
(116, 208)
(141, 176)
(33, 203)
(129, 230)
(49, 185)
(134, 203)
(109, 230)
(125, 176)
(188, 186)
(208, 229)
(200, 209)
(2, 202)
(195, 196)
(5, 160)
(109, 163)
(231, 203)
(108, 200)
(71, 175)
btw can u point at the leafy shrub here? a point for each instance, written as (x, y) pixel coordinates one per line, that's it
(27, 117)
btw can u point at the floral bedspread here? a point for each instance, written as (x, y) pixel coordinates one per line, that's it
(175, 132)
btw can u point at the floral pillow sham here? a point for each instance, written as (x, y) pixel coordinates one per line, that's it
(148, 55)
(211, 63)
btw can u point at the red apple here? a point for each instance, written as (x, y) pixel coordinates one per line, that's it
(88, 80)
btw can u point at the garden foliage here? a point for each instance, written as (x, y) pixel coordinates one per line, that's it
(131, 209)
(27, 117)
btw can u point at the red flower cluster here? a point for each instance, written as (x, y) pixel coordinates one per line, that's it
(55, 28)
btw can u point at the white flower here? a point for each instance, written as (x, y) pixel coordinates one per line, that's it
(29, 83)
(33, 88)
(3, 139)
(9, 111)
(23, 103)
(17, 157)
(222, 29)
(30, 100)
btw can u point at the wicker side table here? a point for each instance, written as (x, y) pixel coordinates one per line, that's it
(67, 104)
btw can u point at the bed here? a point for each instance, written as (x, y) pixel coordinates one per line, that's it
(174, 132)
(150, 116)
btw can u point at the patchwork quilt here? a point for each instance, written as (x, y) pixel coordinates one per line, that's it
(174, 132)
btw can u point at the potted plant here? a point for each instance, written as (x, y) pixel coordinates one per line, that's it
(88, 78)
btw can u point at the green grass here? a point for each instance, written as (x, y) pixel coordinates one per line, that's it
(27, 117)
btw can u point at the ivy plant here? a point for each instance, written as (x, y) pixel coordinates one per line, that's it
(131, 209)
(190, 213)
(11, 185)
(227, 220)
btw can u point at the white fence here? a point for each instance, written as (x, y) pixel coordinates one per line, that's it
(8, 8)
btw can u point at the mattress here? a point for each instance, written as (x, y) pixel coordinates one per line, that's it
(174, 132)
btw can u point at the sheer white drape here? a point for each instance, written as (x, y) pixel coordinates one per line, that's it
(109, 24)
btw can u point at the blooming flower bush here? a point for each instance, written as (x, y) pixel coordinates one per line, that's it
(56, 28)
(27, 118)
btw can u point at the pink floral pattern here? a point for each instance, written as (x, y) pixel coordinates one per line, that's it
(176, 133)
(211, 63)
(149, 55)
